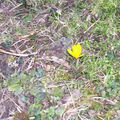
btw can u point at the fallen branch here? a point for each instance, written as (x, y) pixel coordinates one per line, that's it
(56, 60)
(17, 54)
(103, 101)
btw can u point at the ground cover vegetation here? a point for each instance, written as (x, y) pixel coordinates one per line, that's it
(59, 60)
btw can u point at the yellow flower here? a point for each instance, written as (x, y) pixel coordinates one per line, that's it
(76, 51)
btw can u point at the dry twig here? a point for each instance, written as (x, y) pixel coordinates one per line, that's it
(16, 54)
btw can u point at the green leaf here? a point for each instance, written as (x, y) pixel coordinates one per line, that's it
(60, 111)
(35, 108)
(40, 73)
(58, 92)
(28, 18)
(15, 88)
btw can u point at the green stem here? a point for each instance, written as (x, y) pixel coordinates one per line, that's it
(77, 63)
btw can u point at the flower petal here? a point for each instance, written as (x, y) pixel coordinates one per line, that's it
(76, 51)
(70, 52)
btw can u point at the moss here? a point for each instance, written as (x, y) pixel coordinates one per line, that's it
(57, 76)
(21, 116)
(62, 76)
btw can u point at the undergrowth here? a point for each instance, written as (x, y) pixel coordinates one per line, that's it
(49, 90)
